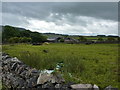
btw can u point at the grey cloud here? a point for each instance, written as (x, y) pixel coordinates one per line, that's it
(40, 10)
(13, 19)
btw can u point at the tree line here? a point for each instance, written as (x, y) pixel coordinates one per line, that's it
(14, 35)
(110, 39)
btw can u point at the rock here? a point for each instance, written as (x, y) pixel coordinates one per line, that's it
(32, 82)
(17, 68)
(34, 72)
(4, 54)
(81, 86)
(13, 67)
(48, 85)
(57, 78)
(5, 68)
(43, 78)
(18, 82)
(58, 86)
(45, 51)
(110, 88)
(67, 85)
(15, 60)
(23, 74)
(95, 87)
(20, 69)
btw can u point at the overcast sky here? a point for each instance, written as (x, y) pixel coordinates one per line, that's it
(76, 18)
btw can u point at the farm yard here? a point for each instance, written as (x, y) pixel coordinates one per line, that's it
(79, 63)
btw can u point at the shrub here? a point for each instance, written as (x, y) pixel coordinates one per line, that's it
(83, 39)
(61, 40)
(100, 39)
(24, 40)
(110, 39)
(13, 40)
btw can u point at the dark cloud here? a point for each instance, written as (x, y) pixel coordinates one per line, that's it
(105, 10)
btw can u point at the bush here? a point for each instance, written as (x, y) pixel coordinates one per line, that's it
(61, 40)
(19, 40)
(13, 40)
(83, 39)
(118, 39)
(37, 37)
(100, 39)
(110, 39)
(24, 40)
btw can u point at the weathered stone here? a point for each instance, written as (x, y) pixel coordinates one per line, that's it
(34, 72)
(17, 68)
(43, 78)
(4, 57)
(15, 60)
(45, 51)
(95, 87)
(32, 82)
(5, 68)
(23, 74)
(110, 88)
(20, 69)
(67, 85)
(4, 54)
(48, 85)
(58, 86)
(13, 67)
(82, 86)
(18, 82)
(57, 78)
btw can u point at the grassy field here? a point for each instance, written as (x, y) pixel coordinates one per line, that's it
(95, 63)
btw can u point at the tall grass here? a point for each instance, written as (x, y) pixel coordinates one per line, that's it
(96, 63)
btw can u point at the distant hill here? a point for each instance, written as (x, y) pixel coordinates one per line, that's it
(21, 29)
(52, 35)
(18, 28)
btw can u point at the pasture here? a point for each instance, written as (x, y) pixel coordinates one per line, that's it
(95, 63)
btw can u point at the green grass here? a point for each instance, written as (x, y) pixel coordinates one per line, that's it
(95, 64)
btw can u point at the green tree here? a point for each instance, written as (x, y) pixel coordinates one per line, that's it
(65, 36)
(110, 39)
(82, 38)
(13, 40)
(25, 40)
(61, 40)
(9, 32)
(118, 38)
(25, 33)
(37, 37)
(100, 39)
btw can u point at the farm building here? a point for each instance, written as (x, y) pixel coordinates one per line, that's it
(54, 39)
(70, 40)
(61, 39)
